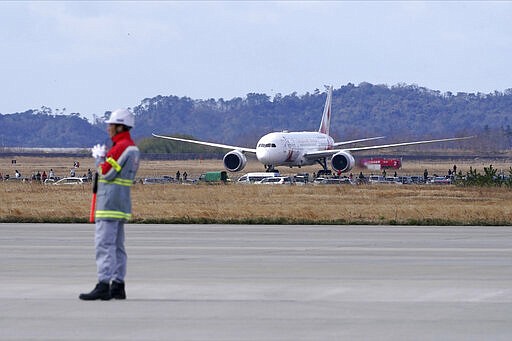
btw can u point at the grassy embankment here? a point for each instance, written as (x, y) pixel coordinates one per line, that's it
(174, 203)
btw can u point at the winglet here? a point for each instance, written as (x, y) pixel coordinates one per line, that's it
(326, 117)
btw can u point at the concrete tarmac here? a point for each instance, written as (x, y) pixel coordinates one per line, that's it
(241, 282)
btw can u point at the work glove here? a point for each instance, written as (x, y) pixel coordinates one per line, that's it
(99, 151)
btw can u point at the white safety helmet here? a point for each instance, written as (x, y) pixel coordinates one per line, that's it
(122, 116)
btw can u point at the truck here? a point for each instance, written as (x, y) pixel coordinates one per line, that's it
(214, 176)
(376, 163)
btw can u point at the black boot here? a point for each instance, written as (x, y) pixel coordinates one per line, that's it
(100, 292)
(117, 290)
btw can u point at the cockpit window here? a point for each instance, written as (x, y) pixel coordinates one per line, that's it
(267, 145)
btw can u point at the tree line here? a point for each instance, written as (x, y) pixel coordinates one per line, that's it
(398, 112)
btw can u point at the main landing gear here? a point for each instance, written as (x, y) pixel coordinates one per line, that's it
(324, 171)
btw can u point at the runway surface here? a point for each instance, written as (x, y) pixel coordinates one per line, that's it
(240, 282)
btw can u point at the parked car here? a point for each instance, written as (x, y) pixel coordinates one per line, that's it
(417, 179)
(333, 181)
(405, 179)
(278, 180)
(255, 177)
(69, 181)
(162, 180)
(394, 180)
(440, 180)
(378, 179)
(301, 178)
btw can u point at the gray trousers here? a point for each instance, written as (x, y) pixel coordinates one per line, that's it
(110, 252)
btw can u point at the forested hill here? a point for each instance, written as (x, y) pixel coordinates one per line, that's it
(42, 128)
(398, 112)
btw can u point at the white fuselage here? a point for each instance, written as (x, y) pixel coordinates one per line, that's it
(288, 148)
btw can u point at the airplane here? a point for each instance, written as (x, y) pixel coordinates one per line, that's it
(304, 148)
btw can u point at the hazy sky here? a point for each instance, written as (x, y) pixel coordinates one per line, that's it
(90, 57)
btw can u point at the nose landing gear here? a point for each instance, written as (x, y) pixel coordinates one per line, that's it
(270, 168)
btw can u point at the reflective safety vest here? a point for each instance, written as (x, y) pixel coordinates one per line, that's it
(116, 176)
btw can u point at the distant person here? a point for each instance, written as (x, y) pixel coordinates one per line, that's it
(44, 176)
(454, 169)
(116, 170)
(72, 172)
(17, 174)
(185, 175)
(51, 174)
(425, 175)
(178, 176)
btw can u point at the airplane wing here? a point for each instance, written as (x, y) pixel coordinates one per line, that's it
(210, 144)
(327, 153)
(337, 144)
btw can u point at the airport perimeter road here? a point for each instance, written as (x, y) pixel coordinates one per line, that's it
(239, 282)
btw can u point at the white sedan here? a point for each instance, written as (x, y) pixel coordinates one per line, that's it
(70, 181)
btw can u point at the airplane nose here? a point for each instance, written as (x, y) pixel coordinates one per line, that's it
(262, 155)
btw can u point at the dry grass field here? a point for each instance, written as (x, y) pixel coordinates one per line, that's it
(233, 203)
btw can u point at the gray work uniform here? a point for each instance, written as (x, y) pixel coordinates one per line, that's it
(113, 208)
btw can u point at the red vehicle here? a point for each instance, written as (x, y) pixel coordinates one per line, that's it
(375, 162)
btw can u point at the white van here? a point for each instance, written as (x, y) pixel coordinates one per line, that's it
(253, 177)
(276, 180)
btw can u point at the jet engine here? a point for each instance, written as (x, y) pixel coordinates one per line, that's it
(234, 161)
(342, 161)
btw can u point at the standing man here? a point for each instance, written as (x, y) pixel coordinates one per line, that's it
(116, 170)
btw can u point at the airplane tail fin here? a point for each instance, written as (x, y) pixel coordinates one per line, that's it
(326, 117)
